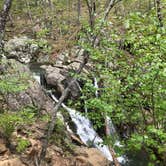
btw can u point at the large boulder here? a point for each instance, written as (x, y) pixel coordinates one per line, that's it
(32, 96)
(91, 157)
(21, 48)
(58, 78)
(3, 147)
(29, 90)
(83, 157)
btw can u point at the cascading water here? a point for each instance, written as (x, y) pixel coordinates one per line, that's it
(110, 126)
(84, 127)
(85, 130)
(97, 87)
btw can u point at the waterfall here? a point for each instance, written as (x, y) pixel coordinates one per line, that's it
(96, 86)
(85, 131)
(110, 126)
(37, 77)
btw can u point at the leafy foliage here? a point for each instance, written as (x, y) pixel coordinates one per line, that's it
(132, 77)
(9, 84)
(10, 121)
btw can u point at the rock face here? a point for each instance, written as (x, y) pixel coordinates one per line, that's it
(32, 95)
(82, 157)
(23, 49)
(3, 148)
(58, 75)
(91, 157)
(11, 162)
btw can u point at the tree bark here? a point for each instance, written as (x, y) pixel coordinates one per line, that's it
(91, 10)
(78, 11)
(159, 15)
(3, 19)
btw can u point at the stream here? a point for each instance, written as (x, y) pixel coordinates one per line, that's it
(86, 131)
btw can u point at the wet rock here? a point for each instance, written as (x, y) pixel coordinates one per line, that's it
(54, 77)
(58, 78)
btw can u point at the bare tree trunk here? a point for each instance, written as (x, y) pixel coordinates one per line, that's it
(3, 19)
(91, 10)
(29, 10)
(78, 11)
(50, 4)
(159, 15)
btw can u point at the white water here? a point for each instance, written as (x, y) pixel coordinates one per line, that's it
(85, 131)
(97, 87)
(112, 130)
(37, 77)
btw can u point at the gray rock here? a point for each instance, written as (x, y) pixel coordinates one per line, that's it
(54, 77)
(58, 77)
(21, 48)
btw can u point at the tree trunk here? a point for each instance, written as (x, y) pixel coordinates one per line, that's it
(3, 19)
(159, 15)
(78, 11)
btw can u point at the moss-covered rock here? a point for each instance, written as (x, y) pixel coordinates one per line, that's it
(18, 89)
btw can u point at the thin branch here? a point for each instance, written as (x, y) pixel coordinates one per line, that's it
(63, 96)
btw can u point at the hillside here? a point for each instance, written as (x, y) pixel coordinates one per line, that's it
(82, 83)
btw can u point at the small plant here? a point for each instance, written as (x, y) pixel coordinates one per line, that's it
(42, 33)
(22, 144)
(10, 84)
(28, 114)
(45, 118)
(43, 45)
(8, 123)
